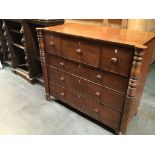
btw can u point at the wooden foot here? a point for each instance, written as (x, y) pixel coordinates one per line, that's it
(47, 97)
(53, 98)
(136, 113)
(120, 132)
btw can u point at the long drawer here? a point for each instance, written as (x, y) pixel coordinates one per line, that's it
(107, 79)
(87, 88)
(92, 108)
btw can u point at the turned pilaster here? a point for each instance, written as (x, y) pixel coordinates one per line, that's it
(135, 72)
(132, 85)
(43, 62)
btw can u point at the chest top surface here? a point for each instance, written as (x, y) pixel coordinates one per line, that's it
(122, 36)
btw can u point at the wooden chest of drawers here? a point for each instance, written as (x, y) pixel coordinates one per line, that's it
(98, 70)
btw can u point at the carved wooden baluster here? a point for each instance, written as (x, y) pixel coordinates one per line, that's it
(7, 42)
(43, 62)
(134, 76)
(24, 44)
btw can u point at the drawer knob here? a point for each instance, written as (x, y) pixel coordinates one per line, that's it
(98, 94)
(96, 110)
(62, 94)
(62, 78)
(52, 44)
(61, 64)
(79, 81)
(79, 51)
(114, 60)
(99, 77)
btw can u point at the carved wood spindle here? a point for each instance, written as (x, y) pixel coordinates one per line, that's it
(134, 76)
(43, 62)
(23, 41)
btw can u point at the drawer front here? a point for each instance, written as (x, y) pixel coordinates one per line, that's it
(117, 60)
(56, 76)
(82, 51)
(93, 109)
(52, 43)
(107, 79)
(86, 88)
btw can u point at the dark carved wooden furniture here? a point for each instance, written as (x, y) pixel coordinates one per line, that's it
(3, 46)
(23, 46)
(100, 71)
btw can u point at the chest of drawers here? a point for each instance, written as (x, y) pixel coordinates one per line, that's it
(98, 70)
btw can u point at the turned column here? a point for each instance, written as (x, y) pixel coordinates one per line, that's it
(132, 87)
(43, 62)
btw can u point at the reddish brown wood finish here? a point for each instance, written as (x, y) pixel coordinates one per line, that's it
(52, 43)
(97, 70)
(86, 88)
(107, 79)
(81, 50)
(117, 59)
(93, 109)
(108, 34)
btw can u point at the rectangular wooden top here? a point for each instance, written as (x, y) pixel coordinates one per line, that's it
(115, 35)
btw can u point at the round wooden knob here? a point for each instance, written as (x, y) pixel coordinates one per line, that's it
(96, 110)
(79, 66)
(114, 60)
(61, 64)
(98, 94)
(62, 94)
(99, 77)
(79, 81)
(52, 44)
(79, 51)
(62, 78)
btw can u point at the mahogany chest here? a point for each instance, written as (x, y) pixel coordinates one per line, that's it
(98, 70)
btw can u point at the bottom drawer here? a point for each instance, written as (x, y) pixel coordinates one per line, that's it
(94, 109)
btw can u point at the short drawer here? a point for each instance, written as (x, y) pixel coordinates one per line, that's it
(92, 108)
(81, 50)
(105, 78)
(52, 43)
(86, 88)
(117, 59)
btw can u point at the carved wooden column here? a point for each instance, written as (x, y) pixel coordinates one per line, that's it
(134, 76)
(3, 42)
(8, 45)
(24, 44)
(43, 62)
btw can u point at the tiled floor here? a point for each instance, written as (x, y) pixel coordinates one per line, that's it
(24, 110)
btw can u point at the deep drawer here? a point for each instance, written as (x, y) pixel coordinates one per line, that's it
(117, 59)
(93, 109)
(107, 79)
(86, 88)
